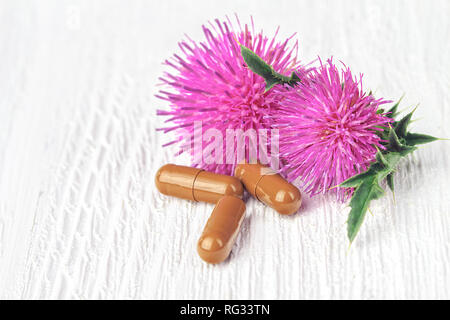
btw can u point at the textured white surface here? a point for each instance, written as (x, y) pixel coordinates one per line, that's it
(79, 213)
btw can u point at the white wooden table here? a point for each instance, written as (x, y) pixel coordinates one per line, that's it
(79, 213)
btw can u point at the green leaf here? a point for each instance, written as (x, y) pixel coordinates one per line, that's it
(402, 125)
(396, 145)
(392, 159)
(356, 180)
(399, 144)
(390, 181)
(295, 77)
(413, 139)
(381, 159)
(271, 82)
(260, 67)
(394, 142)
(367, 191)
(256, 64)
(392, 112)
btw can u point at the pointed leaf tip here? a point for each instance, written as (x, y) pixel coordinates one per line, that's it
(413, 139)
(392, 112)
(394, 142)
(402, 125)
(390, 181)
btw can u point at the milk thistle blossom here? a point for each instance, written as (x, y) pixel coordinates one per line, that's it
(211, 84)
(328, 129)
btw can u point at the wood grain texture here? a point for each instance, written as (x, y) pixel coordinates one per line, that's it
(80, 217)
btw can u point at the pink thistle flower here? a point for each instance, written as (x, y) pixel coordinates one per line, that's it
(212, 84)
(328, 129)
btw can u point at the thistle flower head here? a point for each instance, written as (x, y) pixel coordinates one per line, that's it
(211, 84)
(328, 129)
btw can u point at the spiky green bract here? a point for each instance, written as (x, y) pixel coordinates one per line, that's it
(399, 143)
(260, 67)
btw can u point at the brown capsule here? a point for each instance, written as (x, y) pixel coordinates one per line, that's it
(221, 230)
(269, 187)
(196, 184)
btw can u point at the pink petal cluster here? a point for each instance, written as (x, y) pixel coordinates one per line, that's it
(211, 83)
(327, 123)
(328, 129)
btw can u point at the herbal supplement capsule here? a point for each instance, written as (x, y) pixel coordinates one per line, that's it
(196, 184)
(269, 187)
(221, 230)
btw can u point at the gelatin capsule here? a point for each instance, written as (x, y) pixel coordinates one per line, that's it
(221, 230)
(196, 184)
(269, 187)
